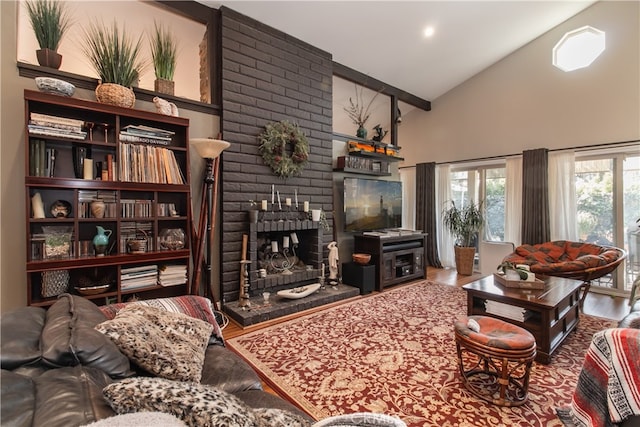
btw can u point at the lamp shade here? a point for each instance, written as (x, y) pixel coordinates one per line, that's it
(209, 148)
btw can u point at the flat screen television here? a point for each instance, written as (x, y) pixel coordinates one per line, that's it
(372, 204)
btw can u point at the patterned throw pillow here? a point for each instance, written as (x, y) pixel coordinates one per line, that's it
(169, 345)
(195, 404)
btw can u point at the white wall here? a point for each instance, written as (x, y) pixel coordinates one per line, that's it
(524, 102)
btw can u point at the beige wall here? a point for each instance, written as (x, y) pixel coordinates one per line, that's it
(13, 291)
(523, 102)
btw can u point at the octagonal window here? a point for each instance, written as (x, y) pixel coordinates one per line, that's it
(578, 48)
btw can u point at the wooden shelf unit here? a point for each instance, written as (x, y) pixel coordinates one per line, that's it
(134, 210)
(398, 258)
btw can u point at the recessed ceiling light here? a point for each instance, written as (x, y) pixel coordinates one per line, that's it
(578, 48)
(428, 31)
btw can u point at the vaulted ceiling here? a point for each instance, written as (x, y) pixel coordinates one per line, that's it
(384, 39)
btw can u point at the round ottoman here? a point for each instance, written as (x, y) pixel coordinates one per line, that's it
(495, 359)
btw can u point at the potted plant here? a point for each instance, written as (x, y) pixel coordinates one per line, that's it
(115, 58)
(512, 271)
(464, 223)
(163, 55)
(49, 20)
(358, 112)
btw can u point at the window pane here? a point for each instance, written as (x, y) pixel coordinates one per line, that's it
(594, 190)
(495, 184)
(631, 209)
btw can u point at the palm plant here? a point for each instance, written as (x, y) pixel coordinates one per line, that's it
(113, 54)
(49, 20)
(163, 52)
(464, 222)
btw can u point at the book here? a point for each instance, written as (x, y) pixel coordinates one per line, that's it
(56, 119)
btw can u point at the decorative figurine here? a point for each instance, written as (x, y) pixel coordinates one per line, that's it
(333, 260)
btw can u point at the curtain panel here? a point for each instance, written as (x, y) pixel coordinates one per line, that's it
(535, 196)
(426, 209)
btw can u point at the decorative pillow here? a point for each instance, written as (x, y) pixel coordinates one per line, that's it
(191, 305)
(195, 404)
(169, 345)
(139, 419)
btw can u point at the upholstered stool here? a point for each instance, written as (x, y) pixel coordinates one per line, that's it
(495, 359)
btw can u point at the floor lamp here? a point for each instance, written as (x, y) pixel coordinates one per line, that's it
(209, 149)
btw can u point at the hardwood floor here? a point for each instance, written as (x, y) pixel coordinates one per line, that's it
(595, 304)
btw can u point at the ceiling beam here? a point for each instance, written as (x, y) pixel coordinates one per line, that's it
(369, 82)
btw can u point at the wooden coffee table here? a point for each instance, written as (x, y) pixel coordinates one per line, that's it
(550, 314)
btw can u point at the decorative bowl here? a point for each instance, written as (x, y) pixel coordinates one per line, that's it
(55, 86)
(92, 290)
(361, 259)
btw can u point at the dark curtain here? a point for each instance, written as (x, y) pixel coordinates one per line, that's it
(426, 209)
(535, 197)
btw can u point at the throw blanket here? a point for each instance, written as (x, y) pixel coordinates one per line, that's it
(608, 389)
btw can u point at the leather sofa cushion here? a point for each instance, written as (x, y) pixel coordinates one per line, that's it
(225, 370)
(69, 338)
(18, 399)
(70, 397)
(20, 335)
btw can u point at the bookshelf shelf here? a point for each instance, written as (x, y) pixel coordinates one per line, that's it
(134, 212)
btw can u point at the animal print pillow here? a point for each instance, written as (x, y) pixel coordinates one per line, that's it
(195, 404)
(169, 345)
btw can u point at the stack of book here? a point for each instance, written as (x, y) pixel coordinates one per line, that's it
(42, 160)
(136, 208)
(506, 310)
(172, 275)
(45, 124)
(138, 277)
(146, 134)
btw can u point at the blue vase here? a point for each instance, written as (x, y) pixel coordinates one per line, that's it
(101, 241)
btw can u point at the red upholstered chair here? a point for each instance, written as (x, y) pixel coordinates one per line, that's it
(571, 260)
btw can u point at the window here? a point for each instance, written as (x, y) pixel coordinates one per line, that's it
(483, 183)
(608, 206)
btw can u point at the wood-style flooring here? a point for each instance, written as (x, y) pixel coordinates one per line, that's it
(595, 304)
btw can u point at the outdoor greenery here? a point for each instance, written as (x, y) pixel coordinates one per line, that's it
(49, 20)
(113, 54)
(163, 52)
(464, 222)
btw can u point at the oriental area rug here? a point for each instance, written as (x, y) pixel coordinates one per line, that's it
(394, 353)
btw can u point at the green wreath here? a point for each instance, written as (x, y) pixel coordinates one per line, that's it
(273, 147)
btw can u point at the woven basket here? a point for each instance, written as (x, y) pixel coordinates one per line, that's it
(114, 94)
(139, 244)
(464, 260)
(54, 282)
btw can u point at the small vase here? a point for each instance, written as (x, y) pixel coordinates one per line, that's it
(49, 58)
(101, 241)
(97, 208)
(361, 132)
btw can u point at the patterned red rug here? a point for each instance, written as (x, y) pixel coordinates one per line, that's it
(394, 353)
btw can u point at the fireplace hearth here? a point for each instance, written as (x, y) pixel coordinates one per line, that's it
(284, 255)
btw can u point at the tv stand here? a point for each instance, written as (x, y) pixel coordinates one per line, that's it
(398, 257)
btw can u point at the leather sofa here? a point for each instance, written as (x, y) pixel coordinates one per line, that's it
(55, 366)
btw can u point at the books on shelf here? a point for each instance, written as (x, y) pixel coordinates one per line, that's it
(138, 277)
(48, 125)
(172, 275)
(42, 159)
(147, 163)
(146, 134)
(85, 197)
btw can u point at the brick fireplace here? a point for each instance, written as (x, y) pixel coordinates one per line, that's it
(269, 76)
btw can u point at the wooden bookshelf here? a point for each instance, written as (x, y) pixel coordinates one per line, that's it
(137, 208)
